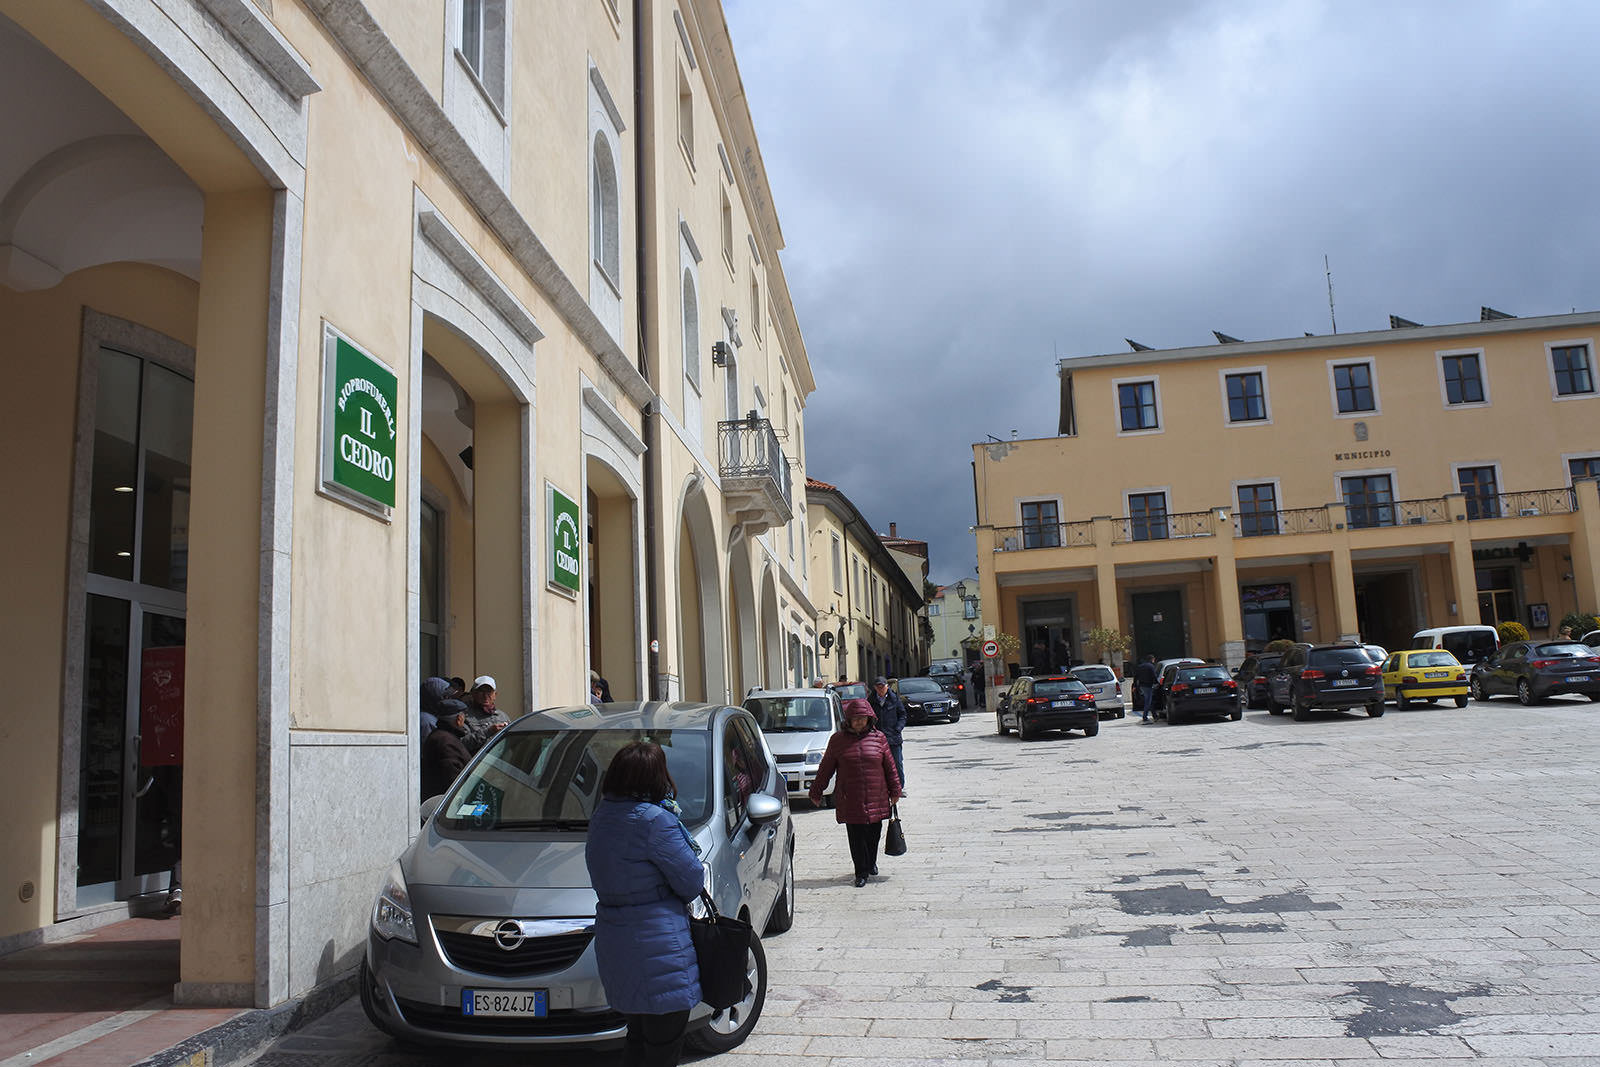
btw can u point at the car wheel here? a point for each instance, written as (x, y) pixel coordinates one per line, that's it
(1174, 716)
(782, 916)
(1000, 726)
(1273, 707)
(1524, 693)
(1024, 731)
(1475, 687)
(1461, 702)
(1301, 710)
(1091, 731)
(1236, 714)
(1375, 709)
(955, 716)
(1401, 701)
(727, 1029)
(1594, 698)
(371, 998)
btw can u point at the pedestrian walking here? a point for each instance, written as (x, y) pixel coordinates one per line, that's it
(978, 683)
(484, 720)
(444, 753)
(891, 712)
(868, 785)
(645, 874)
(1144, 679)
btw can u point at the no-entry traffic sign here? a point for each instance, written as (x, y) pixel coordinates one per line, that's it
(991, 649)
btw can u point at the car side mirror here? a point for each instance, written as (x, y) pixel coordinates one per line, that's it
(430, 806)
(762, 808)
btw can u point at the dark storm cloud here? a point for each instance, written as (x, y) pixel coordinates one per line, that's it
(967, 188)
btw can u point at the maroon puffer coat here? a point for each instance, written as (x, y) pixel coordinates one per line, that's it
(868, 781)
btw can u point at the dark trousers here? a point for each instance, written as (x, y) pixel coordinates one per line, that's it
(864, 845)
(655, 1040)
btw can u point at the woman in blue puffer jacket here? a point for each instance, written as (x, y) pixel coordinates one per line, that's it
(645, 874)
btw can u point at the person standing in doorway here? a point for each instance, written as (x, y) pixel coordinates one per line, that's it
(868, 785)
(443, 752)
(1144, 679)
(891, 712)
(484, 720)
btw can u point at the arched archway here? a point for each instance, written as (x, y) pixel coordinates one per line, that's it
(612, 580)
(771, 631)
(702, 673)
(744, 642)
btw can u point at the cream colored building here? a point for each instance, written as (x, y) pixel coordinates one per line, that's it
(865, 597)
(352, 341)
(1207, 500)
(955, 616)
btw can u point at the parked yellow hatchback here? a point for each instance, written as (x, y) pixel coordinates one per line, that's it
(1425, 674)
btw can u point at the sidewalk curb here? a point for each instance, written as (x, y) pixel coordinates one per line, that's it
(237, 1038)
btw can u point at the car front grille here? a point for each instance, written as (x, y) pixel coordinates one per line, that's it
(448, 1019)
(536, 955)
(790, 757)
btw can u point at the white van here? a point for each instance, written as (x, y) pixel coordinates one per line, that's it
(796, 724)
(1469, 644)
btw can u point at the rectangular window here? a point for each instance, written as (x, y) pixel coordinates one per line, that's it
(1463, 380)
(969, 608)
(1369, 500)
(1040, 524)
(1573, 374)
(933, 611)
(1247, 398)
(1583, 467)
(483, 45)
(686, 116)
(1352, 384)
(838, 567)
(1258, 509)
(1147, 516)
(1482, 492)
(1137, 402)
(727, 230)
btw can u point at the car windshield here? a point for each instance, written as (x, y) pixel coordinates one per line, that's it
(1057, 687)
(1470, 646)
(1431, 659)
(851, 690)
(777, 715)
(1094, 675)
(550, 779)
(1563, 650)
(909, 686)
(1203, 674)
(1325, 657)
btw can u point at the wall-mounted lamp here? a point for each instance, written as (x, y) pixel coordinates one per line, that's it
(720, 353)
(1452, 607)
(1222, 514)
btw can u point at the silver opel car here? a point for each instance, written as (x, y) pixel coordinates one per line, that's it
(482, 931)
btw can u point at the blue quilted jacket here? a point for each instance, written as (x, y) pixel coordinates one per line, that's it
(645, 875)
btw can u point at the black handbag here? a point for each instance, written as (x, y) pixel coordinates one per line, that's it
(722, 947)
(895, 844)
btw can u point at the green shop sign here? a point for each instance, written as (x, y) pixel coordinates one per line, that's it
(359, 433)
(566, 541)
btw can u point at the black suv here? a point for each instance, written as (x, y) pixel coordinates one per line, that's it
(1325, 676)
(1253, 675)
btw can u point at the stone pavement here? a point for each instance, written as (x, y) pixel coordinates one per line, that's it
(1345, 891)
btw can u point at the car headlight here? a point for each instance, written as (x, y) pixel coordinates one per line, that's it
(814, 757)
(391, 915)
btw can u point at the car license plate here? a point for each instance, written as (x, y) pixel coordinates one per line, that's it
(1344, 683)
(1207, 689)
(1061, 703)
(501, 1002)
(1433, 674)
(1577, 678)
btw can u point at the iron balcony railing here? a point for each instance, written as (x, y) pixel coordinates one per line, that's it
(1364, 515)
(748, 448)
(1287, 521)
(1161, 527)
(1043, 535)
(1524, 505)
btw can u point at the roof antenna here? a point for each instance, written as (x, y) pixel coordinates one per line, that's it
(1329, 272)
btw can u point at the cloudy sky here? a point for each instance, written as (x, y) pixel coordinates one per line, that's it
(969, 188)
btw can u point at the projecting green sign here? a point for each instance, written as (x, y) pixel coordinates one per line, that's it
(566, 540)
(359, 432)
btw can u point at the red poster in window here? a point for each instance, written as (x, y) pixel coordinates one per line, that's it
(161, 707)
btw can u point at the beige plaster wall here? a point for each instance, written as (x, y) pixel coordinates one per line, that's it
(417, 28)
(39, 363)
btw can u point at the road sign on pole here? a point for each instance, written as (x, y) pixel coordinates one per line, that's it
(991, 649)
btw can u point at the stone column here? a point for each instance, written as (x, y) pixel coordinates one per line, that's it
(1462, 572)
(1343, 575)
(1585, 549)
(1225, 591)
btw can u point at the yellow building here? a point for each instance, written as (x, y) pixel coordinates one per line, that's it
(350, 342)
(866, 600)
(955, 617)
(1207, 500)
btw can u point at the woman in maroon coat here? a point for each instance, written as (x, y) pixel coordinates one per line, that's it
(868, 783)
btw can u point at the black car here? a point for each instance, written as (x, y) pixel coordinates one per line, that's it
(1325, 676)
(1204, 690)
(1252, 677)
(954, 683)
(1049, 702)
(1534, 670)
(926, 700)
(1166, 671)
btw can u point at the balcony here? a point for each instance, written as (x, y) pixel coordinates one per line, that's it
(1286, 521)
(1528, 504)
(1365, 514)
(1044, 535)
(1158, 526)
(756, 488)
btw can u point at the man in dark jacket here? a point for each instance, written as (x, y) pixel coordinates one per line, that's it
(1144, 678)
(443, 752)
(891, 712)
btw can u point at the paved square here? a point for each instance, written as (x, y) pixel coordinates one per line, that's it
(1424, 886)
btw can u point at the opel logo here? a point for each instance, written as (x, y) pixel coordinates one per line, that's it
(508, 935)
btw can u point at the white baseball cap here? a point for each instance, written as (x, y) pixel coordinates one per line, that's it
(483, 680)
